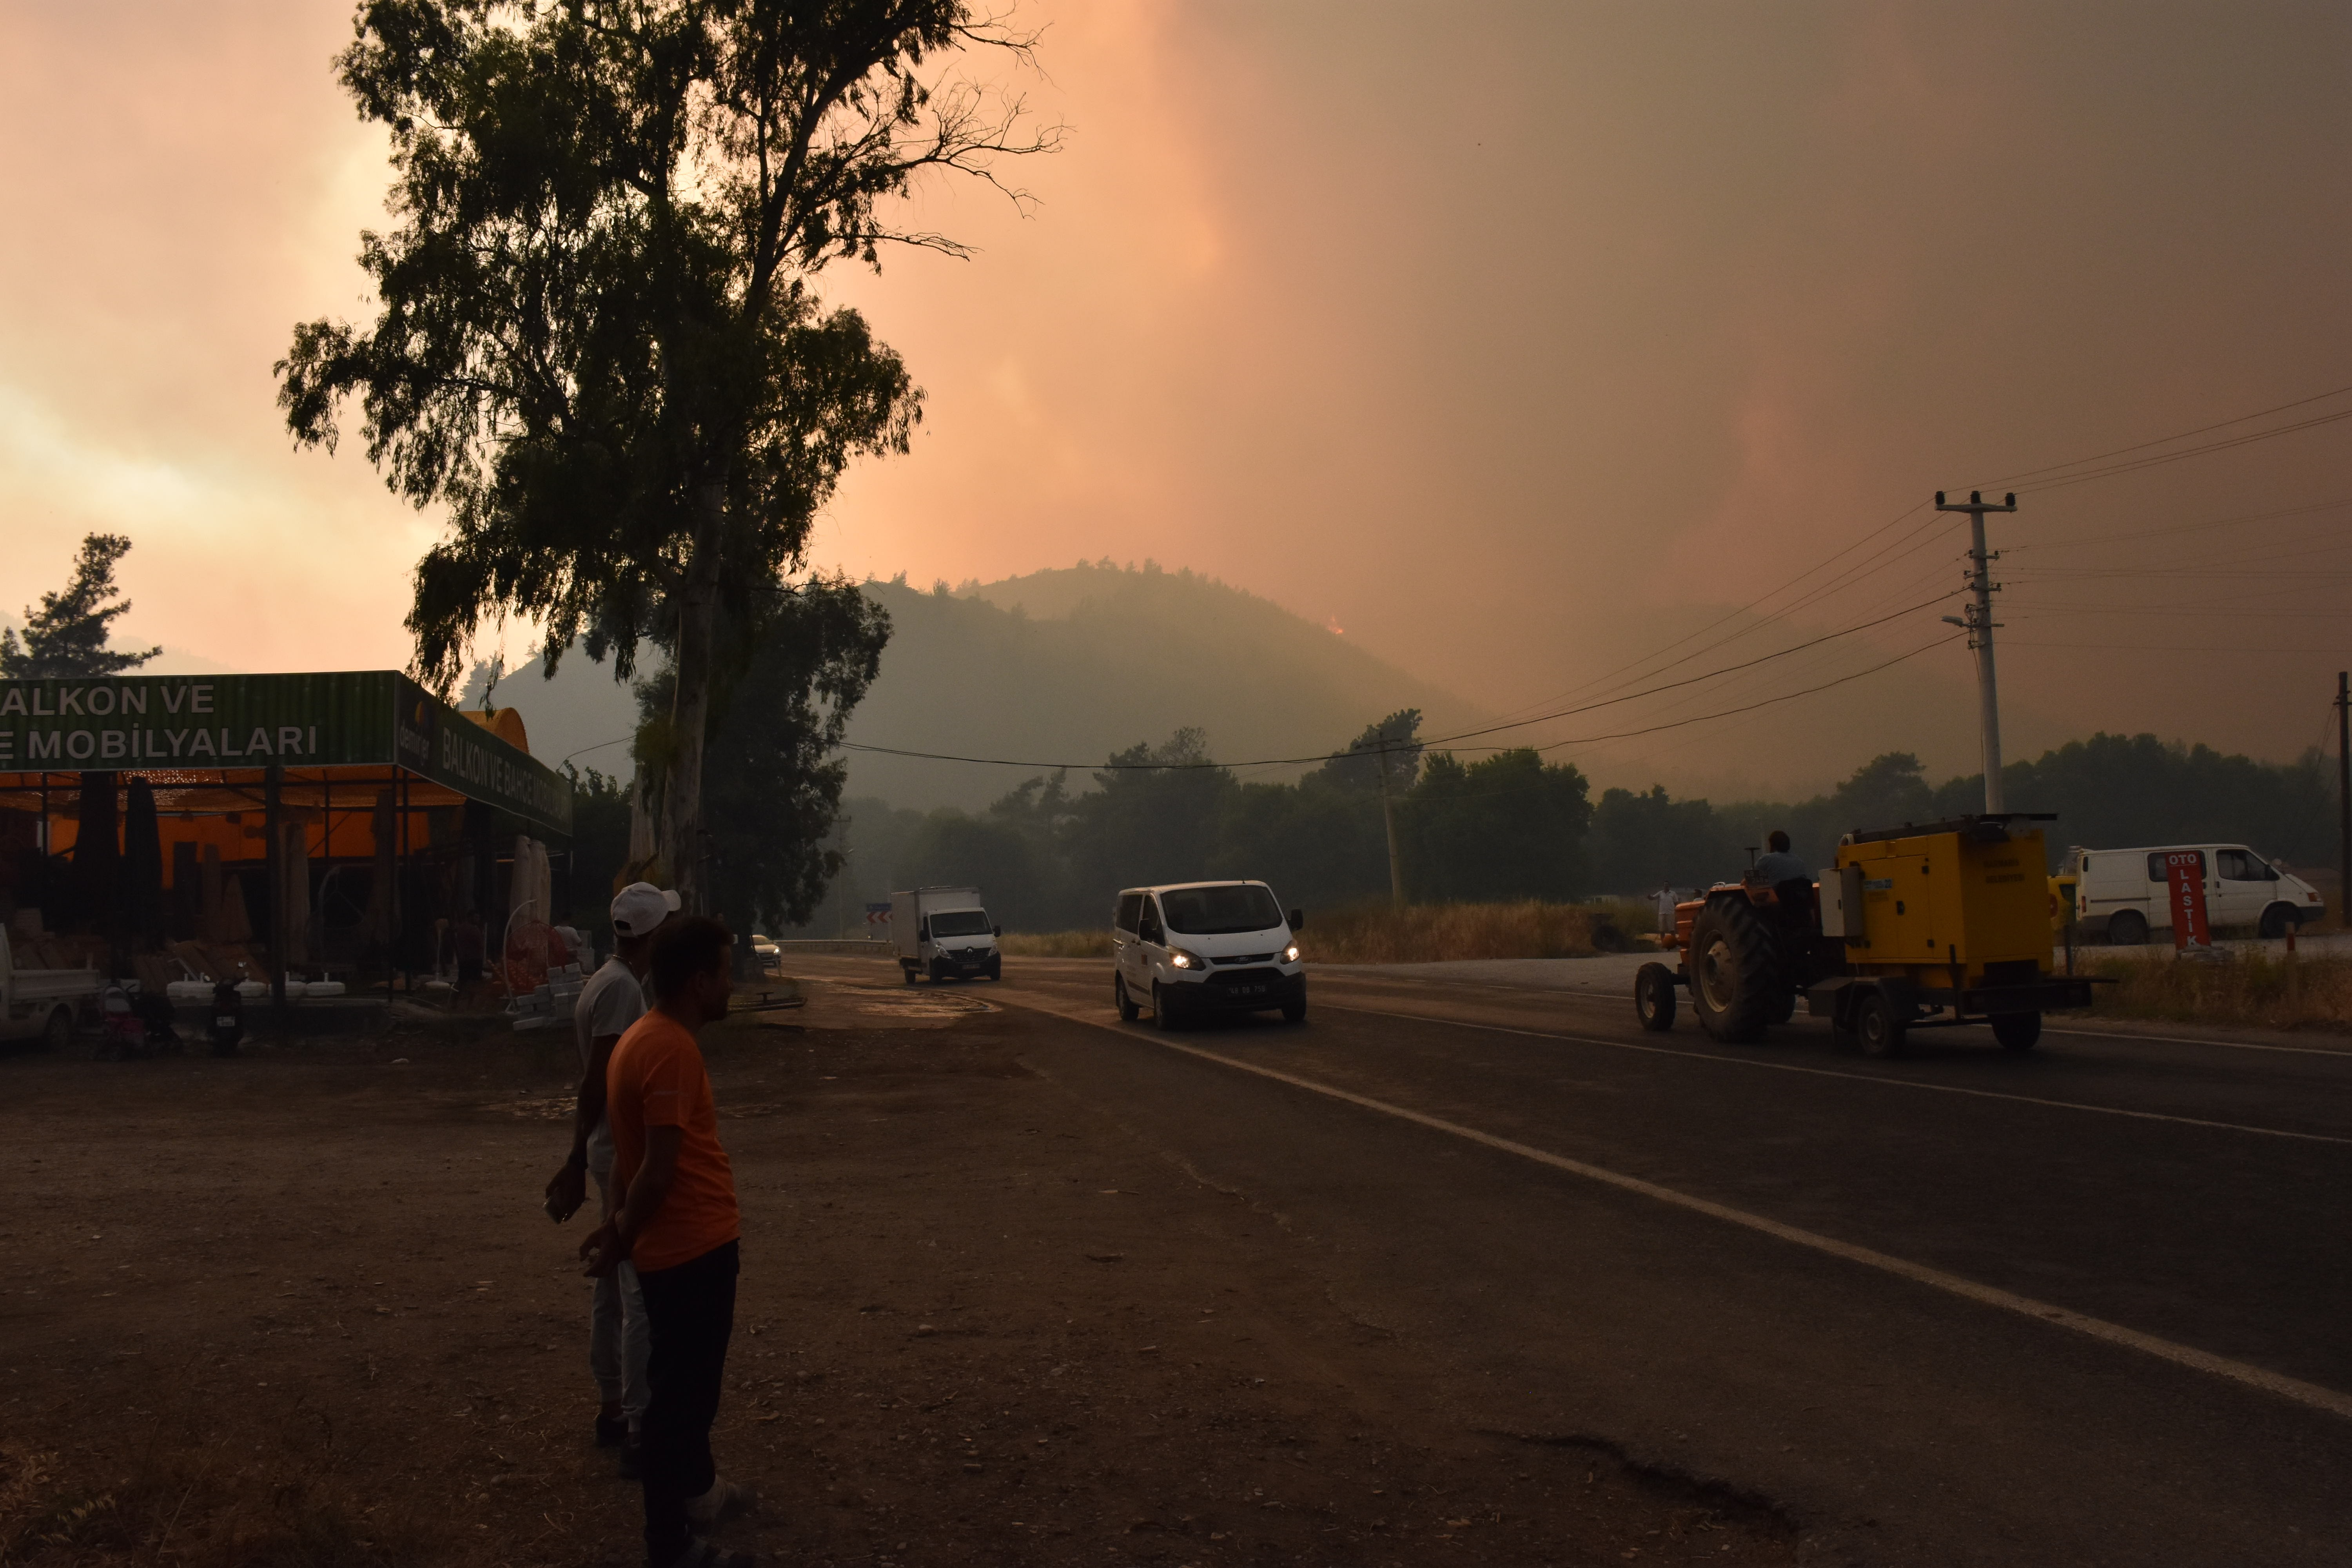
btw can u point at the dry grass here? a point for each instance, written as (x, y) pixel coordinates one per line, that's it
(196, 1507)
(1056, 943)
(2247, 989)
(1419, 934)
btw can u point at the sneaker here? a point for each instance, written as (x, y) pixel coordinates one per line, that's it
(633, 1458)
(723, 1501)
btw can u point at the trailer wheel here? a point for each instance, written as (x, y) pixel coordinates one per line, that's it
(1653, 997)
(56, 1034)
(1879, 1032)
(2126, 928)
(2017, 1031)
(1734, 975)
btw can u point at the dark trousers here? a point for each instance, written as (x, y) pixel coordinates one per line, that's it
(691, 1310)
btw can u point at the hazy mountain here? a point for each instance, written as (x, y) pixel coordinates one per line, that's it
(1073, 664)
(1067, 665)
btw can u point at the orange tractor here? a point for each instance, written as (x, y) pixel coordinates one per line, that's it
(1913, 928)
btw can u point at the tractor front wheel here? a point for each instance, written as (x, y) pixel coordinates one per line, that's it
(1654, 998)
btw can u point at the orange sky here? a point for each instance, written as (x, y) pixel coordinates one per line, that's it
(1515, 340)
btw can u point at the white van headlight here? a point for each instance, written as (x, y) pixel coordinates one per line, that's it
(1182, 958)
(1290, 953)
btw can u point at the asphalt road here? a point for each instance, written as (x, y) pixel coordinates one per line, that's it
(2089, 1305)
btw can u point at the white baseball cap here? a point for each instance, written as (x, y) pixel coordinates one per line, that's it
(640, 907)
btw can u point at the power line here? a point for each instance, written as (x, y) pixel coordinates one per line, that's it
(1865, 568)
(1691, 681)
(1334, 756)
(2138, 534)
(2156, 462)
(1438, 740)
(1727, 618)
(1751, 708)
(2167, 440)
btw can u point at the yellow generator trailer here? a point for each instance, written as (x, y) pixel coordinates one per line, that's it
(1919, 927)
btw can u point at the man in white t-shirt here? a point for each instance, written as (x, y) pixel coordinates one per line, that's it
(613, 998)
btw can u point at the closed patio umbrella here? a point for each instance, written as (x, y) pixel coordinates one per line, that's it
(96, 856)
(139, 888)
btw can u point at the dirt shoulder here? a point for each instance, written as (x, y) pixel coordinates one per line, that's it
(300, 1308)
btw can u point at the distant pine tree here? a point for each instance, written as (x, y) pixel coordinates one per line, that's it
(68, 635)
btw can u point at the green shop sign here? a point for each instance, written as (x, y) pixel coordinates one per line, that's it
(345, 719)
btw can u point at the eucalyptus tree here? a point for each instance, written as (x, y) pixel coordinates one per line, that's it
(598, 344)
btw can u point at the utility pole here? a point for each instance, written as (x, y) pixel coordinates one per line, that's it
(1387, 820)
(1979, 623)
(2344, 797)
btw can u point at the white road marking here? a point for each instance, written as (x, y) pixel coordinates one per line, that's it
(1750, 1061)
(2187, 1040)
(2311, 1395)
(1617, 998)
(1851, 1077)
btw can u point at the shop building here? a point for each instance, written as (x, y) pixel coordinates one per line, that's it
(341, 827)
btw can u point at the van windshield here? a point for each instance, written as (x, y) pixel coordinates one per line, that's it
(1221, 912)
(960, 923)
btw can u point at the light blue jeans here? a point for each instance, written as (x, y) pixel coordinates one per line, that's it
(619, 1338)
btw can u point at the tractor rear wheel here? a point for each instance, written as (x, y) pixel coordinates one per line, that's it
(1735, 979)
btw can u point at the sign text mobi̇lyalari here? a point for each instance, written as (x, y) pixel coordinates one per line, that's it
(348, 718)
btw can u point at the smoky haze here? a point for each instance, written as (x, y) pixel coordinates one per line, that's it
(1510, 343)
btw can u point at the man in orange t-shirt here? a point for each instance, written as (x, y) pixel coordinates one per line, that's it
(673, 1219)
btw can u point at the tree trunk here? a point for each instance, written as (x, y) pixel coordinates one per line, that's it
(685, 850)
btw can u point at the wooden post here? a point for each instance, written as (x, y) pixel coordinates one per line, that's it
(273, 862)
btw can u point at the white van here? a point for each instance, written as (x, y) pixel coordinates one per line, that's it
(2120, 894)
(1193, 947)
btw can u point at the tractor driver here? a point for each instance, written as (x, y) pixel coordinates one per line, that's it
(1790, 879)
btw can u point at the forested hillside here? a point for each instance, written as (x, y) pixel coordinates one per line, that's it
(1050, 852)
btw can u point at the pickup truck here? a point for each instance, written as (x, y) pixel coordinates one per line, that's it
(40, 1004)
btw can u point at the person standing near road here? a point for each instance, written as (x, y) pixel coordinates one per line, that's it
(613, 1000)
(676, 1220)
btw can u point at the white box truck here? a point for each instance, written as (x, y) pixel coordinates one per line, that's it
(944, 932)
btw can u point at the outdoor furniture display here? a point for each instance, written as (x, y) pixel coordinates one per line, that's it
(303, 837)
